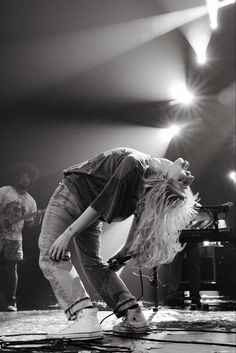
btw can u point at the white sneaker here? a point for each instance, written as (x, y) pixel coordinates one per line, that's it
(12, 305)
(12, 308)
(85, 327)
(133, 322)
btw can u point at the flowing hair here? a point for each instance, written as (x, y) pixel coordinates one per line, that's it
(161, 216)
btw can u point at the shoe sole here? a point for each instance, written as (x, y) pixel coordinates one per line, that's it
(77, 336)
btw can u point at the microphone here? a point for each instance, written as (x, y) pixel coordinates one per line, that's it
(116, 264)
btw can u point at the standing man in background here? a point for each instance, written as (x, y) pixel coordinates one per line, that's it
(16, 209)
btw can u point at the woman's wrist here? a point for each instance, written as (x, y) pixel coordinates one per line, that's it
(69, 232)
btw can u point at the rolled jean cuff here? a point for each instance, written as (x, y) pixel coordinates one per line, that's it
(121, 308)
(77, 306)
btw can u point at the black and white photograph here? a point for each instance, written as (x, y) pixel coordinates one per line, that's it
(117, 178)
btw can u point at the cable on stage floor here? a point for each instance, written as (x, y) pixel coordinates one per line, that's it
(72, 346)
(59, 345)
(177, 341)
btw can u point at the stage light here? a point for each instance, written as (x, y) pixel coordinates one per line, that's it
(201, 58)
(213, 6)
(232, 176)
(181, 94)
(174, 130)
(224, 3)
(206, 243)
(199, 33)
(168, 133)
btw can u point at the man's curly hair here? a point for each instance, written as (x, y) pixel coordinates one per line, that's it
(15, 170)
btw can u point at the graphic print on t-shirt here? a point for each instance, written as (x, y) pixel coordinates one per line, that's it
(12, 210)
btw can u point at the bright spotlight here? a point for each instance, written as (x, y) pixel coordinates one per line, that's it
(181, 94)
(213, 6)
(232, 176)
(206, 243)
(174, 130)
(199, 42)
(214, 25)
(224, 3)
(169, 132)
(201, 58)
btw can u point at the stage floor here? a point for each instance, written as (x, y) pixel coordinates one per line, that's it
(173, 331)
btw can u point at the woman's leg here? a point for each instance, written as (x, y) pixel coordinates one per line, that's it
(106, 282)
(62, 210)
(111, 288)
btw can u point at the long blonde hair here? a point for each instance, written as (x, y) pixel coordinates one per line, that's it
(161, 216)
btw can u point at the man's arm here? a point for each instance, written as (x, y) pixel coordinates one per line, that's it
(36, 218)
(60, 246)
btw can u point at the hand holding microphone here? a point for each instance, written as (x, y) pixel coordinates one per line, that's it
(116, 262)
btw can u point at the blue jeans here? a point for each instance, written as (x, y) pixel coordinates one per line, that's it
(63, 209)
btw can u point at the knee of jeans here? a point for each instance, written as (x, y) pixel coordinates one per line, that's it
(44, 264)
(90, 263)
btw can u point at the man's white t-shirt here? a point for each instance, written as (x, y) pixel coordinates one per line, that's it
(12, 206)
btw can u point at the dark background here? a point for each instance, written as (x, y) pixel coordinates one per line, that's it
(79, 77)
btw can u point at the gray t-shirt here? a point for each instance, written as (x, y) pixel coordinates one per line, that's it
(110, 182)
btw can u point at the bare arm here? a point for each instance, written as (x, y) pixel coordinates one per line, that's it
(60, 246)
